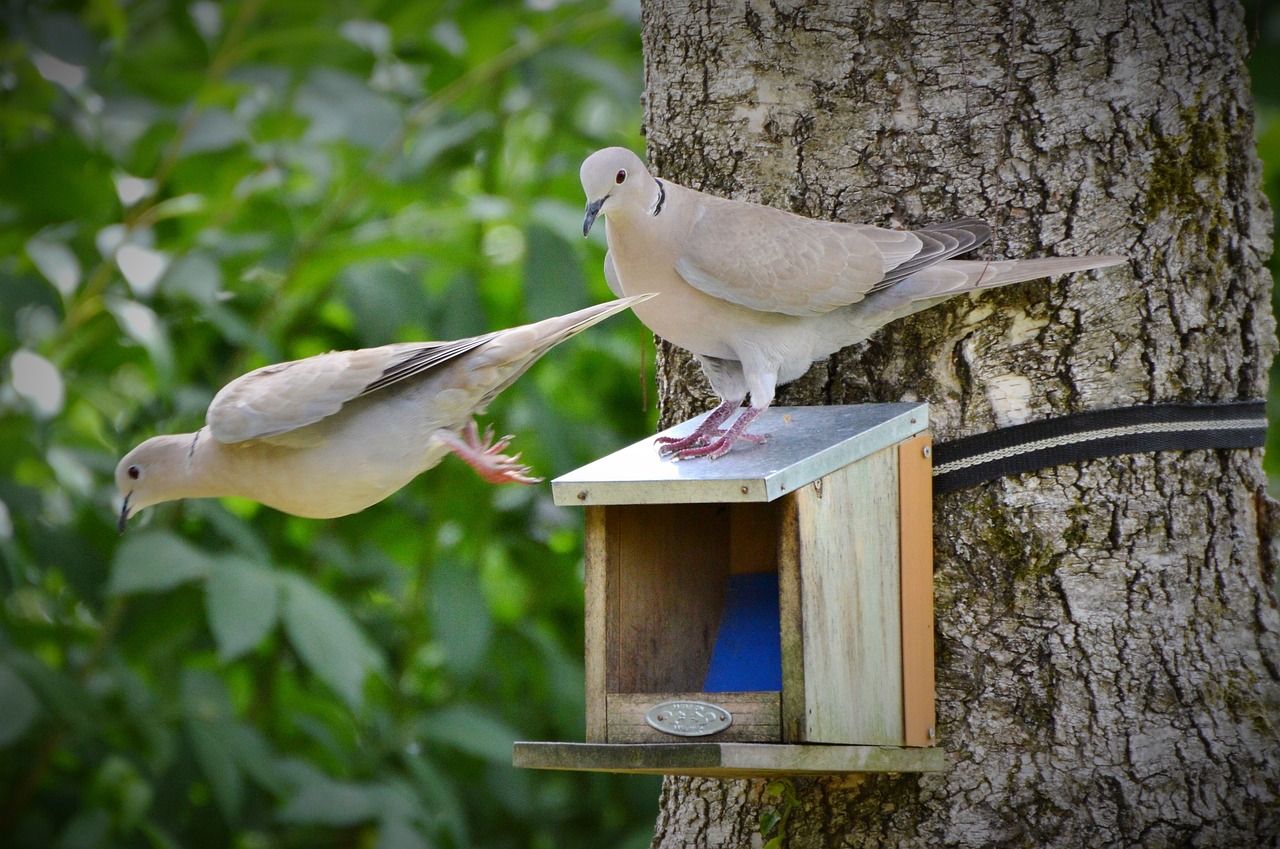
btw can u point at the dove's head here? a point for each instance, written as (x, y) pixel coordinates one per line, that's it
(152, 473)
(613, 178)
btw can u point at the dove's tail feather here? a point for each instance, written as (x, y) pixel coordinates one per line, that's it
(561, 327)
(511, 352)
(956, 276)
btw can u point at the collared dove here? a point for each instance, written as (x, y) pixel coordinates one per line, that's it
(758, 294)
(332, 434)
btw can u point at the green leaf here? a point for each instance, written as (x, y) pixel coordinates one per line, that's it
(57, 262)
(470, 729)
(398, 833)
(327, 639)
(87, 829)
(155, 561)
(554, 283)
(59, 691)
(327, 802)
(440, 796)
(461, 619)
(240, 597)
(208, 713)
(342, 107)
(19, 707)
(214, 129)
(252, 752)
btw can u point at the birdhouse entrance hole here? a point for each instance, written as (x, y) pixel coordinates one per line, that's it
(769, 612)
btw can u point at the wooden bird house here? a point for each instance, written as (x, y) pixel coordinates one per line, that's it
(769, 612)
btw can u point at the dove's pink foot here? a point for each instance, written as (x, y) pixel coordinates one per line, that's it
(712, 442)
(486, 457)
(710, 427)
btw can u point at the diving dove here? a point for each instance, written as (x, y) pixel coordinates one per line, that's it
(757, 294)
(332, 434)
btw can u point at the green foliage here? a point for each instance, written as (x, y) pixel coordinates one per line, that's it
(191, 190)
(783, 801)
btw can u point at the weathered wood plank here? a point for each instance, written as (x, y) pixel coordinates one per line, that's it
(596, 556)
(915, 493)
(791, 615)
(728, 760)
(851, 600)
(756, 717)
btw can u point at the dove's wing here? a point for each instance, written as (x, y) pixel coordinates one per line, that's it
(280, 398)
(611, 276)
(772, 261)
(938, 242)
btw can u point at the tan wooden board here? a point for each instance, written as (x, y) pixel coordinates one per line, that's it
(915, 473)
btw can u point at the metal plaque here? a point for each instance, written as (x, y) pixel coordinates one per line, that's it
(688, 718)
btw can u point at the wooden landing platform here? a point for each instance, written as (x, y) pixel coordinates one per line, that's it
(728, 760)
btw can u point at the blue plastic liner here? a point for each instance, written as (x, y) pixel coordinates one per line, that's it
(748, 652)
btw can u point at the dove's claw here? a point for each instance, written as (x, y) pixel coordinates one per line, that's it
(484, 455)
(708, 431)
(710, 440)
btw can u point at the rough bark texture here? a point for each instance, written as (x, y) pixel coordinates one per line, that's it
(1108, 644)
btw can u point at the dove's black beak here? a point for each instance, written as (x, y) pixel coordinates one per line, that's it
(124, 514)
(593, 209)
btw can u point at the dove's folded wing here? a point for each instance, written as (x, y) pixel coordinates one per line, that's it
(769, 260)
(937, 243)
(277, 399)
(611, 276)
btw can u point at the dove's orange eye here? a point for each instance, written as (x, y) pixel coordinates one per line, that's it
(620, 176)
(133, 472)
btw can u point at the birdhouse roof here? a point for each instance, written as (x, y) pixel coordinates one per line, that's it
(804, 444)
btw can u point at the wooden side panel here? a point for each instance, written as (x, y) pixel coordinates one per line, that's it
(791, 614)
(596, 556)
(755, 717)
(851, 604)
(915, 474)
(666, 584)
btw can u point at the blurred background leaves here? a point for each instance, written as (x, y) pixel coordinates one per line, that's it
(192, 189)
(189, 190)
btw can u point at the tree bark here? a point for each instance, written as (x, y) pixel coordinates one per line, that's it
(1107, 637)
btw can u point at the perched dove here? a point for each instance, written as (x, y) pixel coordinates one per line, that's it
(332, 434)
(758, 294)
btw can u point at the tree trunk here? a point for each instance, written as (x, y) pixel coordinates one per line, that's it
(1108, 642)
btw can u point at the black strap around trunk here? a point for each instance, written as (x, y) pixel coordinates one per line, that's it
(1100, 433)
